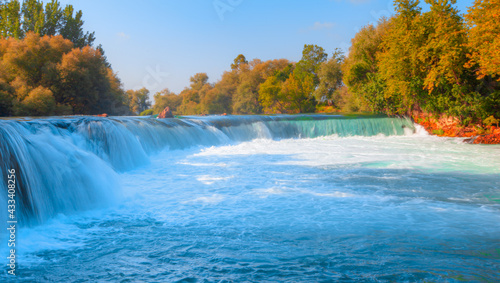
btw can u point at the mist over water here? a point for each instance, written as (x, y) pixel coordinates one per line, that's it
(308, 198)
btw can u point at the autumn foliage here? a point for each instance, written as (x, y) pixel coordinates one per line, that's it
(46, 75)
(256, 87)
(484, 38)
(436, 62)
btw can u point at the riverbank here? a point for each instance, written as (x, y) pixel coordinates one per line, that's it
(450, 127)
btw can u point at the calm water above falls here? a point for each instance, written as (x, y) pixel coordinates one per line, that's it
(224, 200)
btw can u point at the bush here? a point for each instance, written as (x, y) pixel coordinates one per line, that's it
(439, 132)
(39, 102)
(490, 121)
(147, 112)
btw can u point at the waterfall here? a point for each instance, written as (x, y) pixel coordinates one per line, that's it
(66, 164)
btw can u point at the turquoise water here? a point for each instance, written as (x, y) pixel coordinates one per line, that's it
(256, 199)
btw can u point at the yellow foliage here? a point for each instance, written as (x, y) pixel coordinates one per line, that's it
(39, 102)
(484, 38)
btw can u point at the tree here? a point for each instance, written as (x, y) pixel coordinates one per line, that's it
(10, 19)
(276, 94)
(139, 100)
(115, 100)
(198, 80)
(193, 96)
(86, 83)
(17, 21)
(312, 58)
(7, 96)
(78, 79)
(400, 71)
(444, 52)
(240, 59)
(271, 96)
(484, 38)
(297, 91)
(53, 17)
(39, 102)
(246, 97)
(442, 58)
(166, 98)
(217, 100)
(33, 16)
(72, 28)
(330, 77)
(361, 67)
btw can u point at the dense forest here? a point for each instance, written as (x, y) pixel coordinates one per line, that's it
(437, 62)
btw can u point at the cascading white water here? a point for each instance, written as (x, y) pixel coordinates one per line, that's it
(69, 164)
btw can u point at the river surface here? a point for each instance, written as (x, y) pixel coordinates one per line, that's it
(402, 207)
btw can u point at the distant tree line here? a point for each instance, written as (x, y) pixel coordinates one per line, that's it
(255, 87)
(438, 62)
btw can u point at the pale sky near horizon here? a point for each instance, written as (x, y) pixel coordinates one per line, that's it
(161, 44)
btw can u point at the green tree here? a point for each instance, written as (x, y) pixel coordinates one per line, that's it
(72, 28)
(18, 20)
(361, 67)
(7, 96)
(33, 16)
(272, 97)
(53, 17)
(330, 77)
(312, 58)
(10, 19)
(139, 100)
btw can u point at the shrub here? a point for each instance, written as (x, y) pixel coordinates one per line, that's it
(146, 112)
(39, 102)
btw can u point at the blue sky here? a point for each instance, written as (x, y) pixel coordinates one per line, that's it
(161, 43)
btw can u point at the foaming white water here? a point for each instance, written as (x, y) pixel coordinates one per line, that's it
(419, 131)
(416, 151)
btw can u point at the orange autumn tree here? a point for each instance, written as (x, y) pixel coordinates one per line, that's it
(484, 38)
(47, 71)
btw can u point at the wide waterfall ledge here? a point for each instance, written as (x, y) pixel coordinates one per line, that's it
(67, 164)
